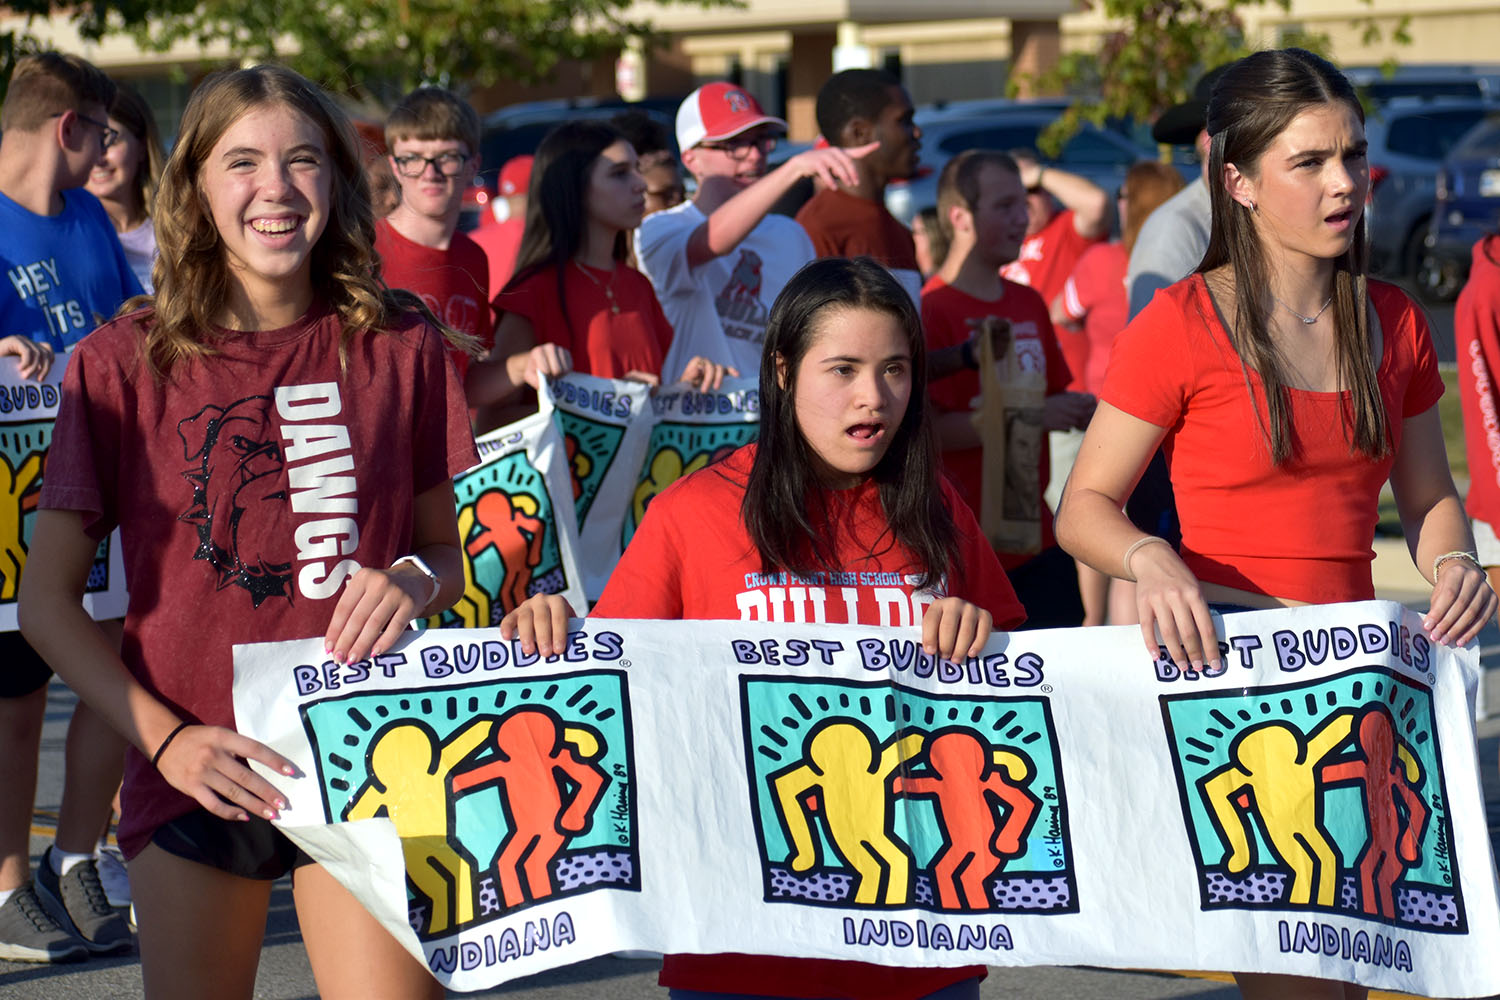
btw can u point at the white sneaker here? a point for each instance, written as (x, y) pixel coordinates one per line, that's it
(111, 864)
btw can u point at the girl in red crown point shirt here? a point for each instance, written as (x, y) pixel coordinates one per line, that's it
(845, 477)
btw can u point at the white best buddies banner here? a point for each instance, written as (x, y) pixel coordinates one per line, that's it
(807, 790)
(27, 411)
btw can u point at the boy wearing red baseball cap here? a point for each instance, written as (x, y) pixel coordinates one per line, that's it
(720, 260)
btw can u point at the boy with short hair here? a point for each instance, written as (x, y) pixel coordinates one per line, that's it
(719, 261)
(65, 274)
(982, 207)
(855, 108)
(433, 137)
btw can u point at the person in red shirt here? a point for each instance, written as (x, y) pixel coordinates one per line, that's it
(433, 137)
(982, 204)
(250, 391)
(500, 238)
(855, 108)
(1055, 237)
(843, 479)
(1281, 407)
(1476, 322)
(1094, 296)
(574, 304)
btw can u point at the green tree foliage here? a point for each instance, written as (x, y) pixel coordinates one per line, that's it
(92, 18)
(1141, 71)
(382, 49)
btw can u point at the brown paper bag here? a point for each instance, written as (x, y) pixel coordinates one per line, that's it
(1009, 420)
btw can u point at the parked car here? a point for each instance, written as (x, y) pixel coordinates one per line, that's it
(1408, 139)
(1103, 155)
(1378, 85)
(1467, 207)
(519, 128)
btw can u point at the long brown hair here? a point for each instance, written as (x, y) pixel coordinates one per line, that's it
(131, 110)
(1147, 185)
(783, 484)
(191, 275)
(1252, 103)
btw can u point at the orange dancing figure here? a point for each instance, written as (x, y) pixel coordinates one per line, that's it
(531, 746)
(964, 781)
(1390, 776)
(516, 535)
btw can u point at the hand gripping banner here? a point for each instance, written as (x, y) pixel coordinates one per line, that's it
(832, 791)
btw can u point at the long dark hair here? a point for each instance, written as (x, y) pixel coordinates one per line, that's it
(783, 498)
(1252, 103)
(557, 203)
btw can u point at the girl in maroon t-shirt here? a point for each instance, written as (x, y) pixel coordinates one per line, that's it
(180, 424)
(574, 304)
(1285, 390)
(845, 477)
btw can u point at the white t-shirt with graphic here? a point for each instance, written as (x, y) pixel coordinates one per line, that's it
(719, 309)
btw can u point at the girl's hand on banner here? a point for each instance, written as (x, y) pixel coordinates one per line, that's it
(1170, 602)
(1462, 603)
(955, 629)
(208, 763)
(549, 360)
(33, 357)
(541, 623)
(705, 375)
(373, 611)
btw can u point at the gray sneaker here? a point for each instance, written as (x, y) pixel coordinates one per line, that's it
(29, 934)
(78, 902)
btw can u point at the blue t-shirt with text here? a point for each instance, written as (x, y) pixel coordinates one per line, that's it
(64, 274)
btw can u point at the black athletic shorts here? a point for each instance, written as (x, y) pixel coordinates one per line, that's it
(250, 849)
(22, 669)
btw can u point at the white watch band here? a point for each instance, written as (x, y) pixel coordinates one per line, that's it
(417, 561)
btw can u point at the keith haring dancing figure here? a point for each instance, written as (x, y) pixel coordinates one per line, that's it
(965, 775)
(14, 485)
(510, 525)
(1274, 770)
(1389, 774)
(850, 787)
(531, 750)
(409, 783)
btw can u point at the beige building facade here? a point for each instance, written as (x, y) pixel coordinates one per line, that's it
(782, 50)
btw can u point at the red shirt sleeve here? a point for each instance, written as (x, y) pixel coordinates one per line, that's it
(1426, 386)
(1148, 374)
(83, 461)
(443, 441)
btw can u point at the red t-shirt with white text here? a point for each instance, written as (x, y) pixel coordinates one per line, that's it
(1046, 259)
(692, 559)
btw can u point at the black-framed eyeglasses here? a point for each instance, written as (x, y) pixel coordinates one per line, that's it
(107, 136)
(448, 164)
(738, 147)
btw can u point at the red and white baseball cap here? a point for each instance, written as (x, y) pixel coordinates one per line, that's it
(719, 111)
(515, 176)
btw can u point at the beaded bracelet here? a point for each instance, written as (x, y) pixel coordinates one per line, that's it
(156, 757)
(1437, 563)
(1129, 575)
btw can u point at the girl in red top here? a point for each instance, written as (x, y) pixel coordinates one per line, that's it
(1476, 323)
(1285, 390)
(199, 426)
(845, 478)
(574, 304)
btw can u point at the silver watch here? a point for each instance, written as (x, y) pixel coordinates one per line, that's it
(417, 561)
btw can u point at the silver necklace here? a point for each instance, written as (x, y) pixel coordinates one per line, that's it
(1307, 320)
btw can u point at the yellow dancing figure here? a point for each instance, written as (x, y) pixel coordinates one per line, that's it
(409, 783)
(1275, 772)
(13, 487)
(851, 787)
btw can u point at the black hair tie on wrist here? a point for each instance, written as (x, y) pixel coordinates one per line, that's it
(167, 742)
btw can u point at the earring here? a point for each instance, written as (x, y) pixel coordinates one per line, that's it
(1252, 206)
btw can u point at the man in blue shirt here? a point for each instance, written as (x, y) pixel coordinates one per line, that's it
(64, 274)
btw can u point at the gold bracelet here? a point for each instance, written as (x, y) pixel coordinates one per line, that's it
(1437, 564)
(1129, 575)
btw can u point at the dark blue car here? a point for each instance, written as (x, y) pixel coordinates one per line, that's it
(1468, 207)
